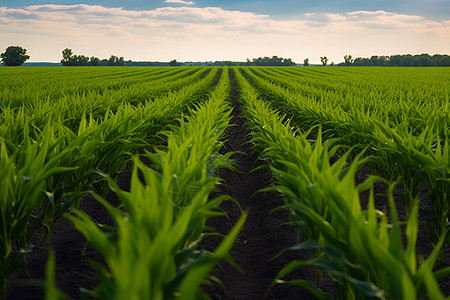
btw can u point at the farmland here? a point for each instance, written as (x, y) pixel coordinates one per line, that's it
(315, 182)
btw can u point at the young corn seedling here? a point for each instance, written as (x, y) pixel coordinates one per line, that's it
(424, 159)
(22, 191)
(404, 139)
(153, 251)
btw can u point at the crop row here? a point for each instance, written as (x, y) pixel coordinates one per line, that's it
(405, 128)
(51, 155)
(153, 250)
(36, 86)
(362, 250)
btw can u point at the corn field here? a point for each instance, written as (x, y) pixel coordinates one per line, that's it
(360, 156)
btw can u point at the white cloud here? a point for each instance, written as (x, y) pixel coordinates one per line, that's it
(212, 33)
(180, 2)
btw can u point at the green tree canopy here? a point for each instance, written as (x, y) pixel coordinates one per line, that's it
(348, 60)
(69, 59)
(116, 61)
(95, 61)
(324, 60)
(399, 60)
(274, 61)
(14, 56)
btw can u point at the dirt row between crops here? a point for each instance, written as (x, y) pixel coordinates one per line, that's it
(264, 234)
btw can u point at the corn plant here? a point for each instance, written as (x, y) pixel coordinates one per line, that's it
(407, 135)
(153, 251)
(22, 190)
(361, 250)
(56, 149)
(421, 160)
(51, 291)
(98, 144)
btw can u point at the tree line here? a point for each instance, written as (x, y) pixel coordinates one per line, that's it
(405, 60)
(260, 61)
(69, 59)
(273, 61)
(16, 56)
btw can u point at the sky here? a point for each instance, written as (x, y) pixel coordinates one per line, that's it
(209, 30)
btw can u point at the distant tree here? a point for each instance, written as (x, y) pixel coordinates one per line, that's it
(287, 62)
(306, 62)
(221, 63)
(261, 61)
(375, 60)
(332, 63)
(94, 61)
(399, 60)
(445, 61)
(441, 60)
(104, 62)
(408, 60)
(274, 61)
(80, 60)
(360, 61)
(423, 60)
(383, 60)
(173, 63)
(395, 60)
(116, 61)
(348, 60)
(14, 56)
(67, 57)
(324, 60)
(112, 60)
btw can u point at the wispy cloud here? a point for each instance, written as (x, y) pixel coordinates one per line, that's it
(193, 33)
(180, 2)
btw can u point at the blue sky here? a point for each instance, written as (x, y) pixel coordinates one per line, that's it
(191, 30)
(434, 9)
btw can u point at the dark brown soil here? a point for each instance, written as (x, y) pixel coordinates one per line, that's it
(265, 233)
